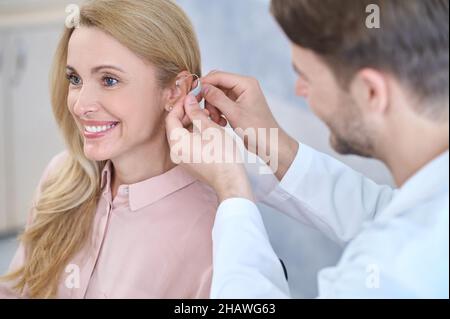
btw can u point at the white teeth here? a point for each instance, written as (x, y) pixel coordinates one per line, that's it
(98, 129)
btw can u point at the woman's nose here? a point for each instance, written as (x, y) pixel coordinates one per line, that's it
(85, 102)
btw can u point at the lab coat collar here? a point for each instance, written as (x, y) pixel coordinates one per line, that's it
(430, 181)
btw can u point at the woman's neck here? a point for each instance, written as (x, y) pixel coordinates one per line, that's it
(143, 162)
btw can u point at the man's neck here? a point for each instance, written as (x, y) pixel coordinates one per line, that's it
(412, 144)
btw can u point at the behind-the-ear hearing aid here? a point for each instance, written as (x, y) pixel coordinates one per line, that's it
(195, 91)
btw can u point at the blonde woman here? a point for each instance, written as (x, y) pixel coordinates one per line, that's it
(113, 217)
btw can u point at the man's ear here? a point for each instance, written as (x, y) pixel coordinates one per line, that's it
(178, 90)
(370, 90)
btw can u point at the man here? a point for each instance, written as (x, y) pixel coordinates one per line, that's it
(383, 93)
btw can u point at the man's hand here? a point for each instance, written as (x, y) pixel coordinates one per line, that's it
(208, 152)
(241, 101)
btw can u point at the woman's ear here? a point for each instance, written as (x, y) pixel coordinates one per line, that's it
(178, 90)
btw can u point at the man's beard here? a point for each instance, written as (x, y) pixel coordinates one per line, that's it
(349, 135)
(346, 146)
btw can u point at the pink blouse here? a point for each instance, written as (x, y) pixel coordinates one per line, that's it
(153, 240)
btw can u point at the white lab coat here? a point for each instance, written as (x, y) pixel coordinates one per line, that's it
(397, 241)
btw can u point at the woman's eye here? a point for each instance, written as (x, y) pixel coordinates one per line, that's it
(73, 79)
(109, 81)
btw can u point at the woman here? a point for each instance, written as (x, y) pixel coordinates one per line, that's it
(114, 217)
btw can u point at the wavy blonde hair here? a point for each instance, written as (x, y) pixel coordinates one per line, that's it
(157, 31)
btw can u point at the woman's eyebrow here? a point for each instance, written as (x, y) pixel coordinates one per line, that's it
(100, 67)
(97, 68)
(70, 68)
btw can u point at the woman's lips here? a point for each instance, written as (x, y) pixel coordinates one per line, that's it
(96, 129)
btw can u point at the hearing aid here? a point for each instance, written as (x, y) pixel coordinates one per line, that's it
(195, 91)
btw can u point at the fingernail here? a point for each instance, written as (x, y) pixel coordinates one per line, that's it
(206, 89)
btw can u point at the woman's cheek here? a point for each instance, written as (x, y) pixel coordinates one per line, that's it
(71, 100)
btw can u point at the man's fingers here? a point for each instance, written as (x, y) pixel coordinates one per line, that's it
(174, 125)
(217, 98)
(223, 122)
(186, 121)
(197, 116)
(215, 114)
(228, 81)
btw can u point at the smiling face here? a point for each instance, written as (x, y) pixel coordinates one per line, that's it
(341, 111)
(114, 96)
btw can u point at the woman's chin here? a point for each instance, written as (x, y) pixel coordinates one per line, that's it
(96, 155)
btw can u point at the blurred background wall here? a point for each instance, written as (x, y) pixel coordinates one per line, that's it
(234, 35)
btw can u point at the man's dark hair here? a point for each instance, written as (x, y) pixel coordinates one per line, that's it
(411, 43)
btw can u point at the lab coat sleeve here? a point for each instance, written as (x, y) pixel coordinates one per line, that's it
(244, 263)
(322, 192)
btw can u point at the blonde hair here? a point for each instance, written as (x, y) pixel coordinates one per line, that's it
(157, 31)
